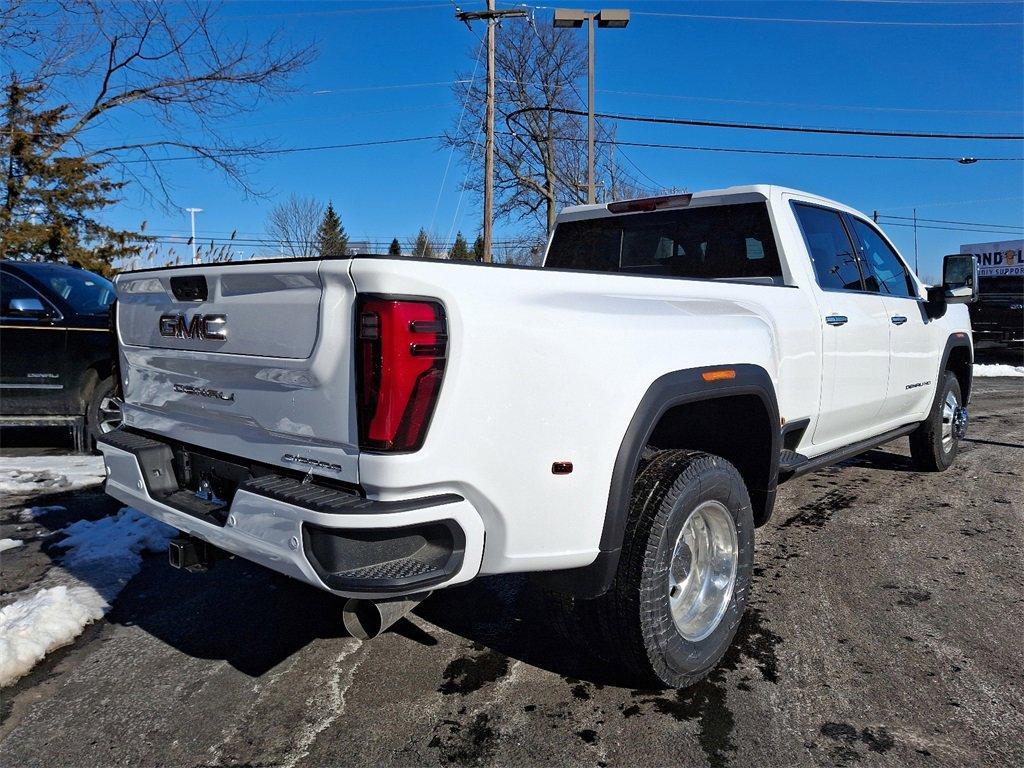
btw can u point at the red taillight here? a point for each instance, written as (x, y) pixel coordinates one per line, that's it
(401, 346)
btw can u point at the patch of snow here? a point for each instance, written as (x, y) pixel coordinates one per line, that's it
(101, 557)
(6, 544)
(997, 369)
(34, 626)
(29, 514)
(49, 474)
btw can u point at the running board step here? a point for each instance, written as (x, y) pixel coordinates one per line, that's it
(792, 464)
(790, 461)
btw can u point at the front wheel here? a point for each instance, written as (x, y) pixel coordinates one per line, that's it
(936, 442)
(684, 571)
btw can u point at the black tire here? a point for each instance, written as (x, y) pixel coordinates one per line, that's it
(633, 621)
(98, 414)
(931, 447)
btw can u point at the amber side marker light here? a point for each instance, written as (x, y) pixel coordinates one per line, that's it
(720, 375)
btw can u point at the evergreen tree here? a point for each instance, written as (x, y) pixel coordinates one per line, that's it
(422, 248)
(478, 248)
(331, 239)
(460, 249)
(394, 249)
(49, 199)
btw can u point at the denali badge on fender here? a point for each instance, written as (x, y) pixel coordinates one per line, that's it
(207, 327)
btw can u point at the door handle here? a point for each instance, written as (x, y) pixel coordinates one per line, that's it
(837, 319)
(898, 319)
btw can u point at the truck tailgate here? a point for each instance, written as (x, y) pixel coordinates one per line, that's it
(254, 358)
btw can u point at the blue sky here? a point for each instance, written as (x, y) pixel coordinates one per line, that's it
(386, 74)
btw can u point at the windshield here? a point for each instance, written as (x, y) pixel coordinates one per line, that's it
(88, 294)
(988, 284)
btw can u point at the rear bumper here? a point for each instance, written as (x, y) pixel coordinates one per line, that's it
(331, 539)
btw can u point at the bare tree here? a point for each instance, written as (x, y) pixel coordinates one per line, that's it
(538, 168)
(525, 250)
(294, 224)
(540, 155)
(179, 65)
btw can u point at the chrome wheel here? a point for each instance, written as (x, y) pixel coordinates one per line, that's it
(109, 414)
(702, 573)
(951, 414)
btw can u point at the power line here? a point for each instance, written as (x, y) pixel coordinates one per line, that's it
(807, 105)
(950, 229)
(282, 151)
(903, 134)
(342, 11)
(642, 144)
(843, 22)
(798, 153)
(949, 221)
(710, 99)
(458, 129)
(782, 20)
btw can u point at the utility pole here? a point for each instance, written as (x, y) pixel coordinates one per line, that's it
(195, 253)
(491, 15)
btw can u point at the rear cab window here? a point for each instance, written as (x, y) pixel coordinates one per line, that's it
(719, 242)
(831, 251)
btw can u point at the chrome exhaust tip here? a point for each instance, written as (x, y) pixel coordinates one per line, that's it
(366, 619)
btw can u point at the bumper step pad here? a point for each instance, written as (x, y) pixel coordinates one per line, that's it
(348, 559)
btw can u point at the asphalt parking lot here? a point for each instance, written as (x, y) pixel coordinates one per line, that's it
(885, 629)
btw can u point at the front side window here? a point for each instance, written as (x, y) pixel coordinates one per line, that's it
(12, 288)
(830, 248)
(711, 242)
(883, 270)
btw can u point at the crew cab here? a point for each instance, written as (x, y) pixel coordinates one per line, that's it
(616, 422)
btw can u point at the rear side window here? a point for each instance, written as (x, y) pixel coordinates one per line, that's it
(883, 270)
(714, 242)
(830, 248)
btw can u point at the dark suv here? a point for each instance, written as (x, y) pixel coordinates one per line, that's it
(997, 318)
(55, 365)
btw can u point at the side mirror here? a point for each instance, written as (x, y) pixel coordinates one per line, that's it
(960, 278)
(30, 307)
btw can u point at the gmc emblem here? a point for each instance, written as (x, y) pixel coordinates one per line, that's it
(207, 327)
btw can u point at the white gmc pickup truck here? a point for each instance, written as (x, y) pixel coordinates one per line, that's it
(616, 421)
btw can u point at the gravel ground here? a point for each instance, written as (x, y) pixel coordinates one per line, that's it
(884, 629)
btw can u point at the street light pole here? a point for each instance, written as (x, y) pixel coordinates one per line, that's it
(195, 253)
(491, 16)
(591, 191)
(573, 18)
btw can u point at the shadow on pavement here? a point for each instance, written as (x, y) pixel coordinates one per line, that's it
(512, 616)
(878, 459)
(237, 612)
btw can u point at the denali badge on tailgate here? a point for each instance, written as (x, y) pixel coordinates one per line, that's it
(207, 327)
(186, 389)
